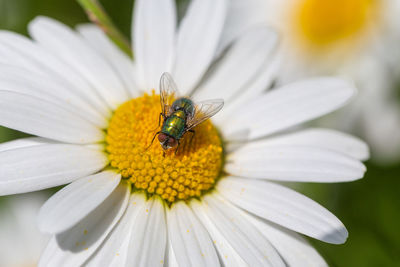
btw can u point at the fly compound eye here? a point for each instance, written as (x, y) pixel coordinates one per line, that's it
(172, 142)
(162, 138)
(167, 141)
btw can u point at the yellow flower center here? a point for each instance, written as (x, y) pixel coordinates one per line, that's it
(189, 173)
(323, 22)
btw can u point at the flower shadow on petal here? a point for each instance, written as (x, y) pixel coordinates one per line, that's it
(94, 227)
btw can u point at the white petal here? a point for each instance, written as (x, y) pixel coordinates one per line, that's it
(148, 236)
(227, 254)
(285, 207)
(380, 125)
(294, 249)
(20, 51)
(246, 58)
(294, 163)
(254, 249)
(244, 15)
(72, 203)
(191, 243)
(288, 106)
(171, 260)
(198, 38)
(51, 249)
(39, 117)
(113, 247)
(42, 166)
(255, 89)
(319, 138)
(153, 34)
(75, 246)
(120, 259)
(20, 241)
(24, 142)
(73, 49)
(122, 64)
(20, 80)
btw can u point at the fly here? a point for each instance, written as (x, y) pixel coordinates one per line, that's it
(180, 114)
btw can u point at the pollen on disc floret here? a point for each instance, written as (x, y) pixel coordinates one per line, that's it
(189, 173)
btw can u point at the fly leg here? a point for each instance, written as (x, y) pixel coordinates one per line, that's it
(152, 140)
(193, 133)
(191, 139)
(176, 150)
(159, 121)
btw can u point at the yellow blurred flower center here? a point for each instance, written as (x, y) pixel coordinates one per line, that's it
(323, 22)
(189, 173)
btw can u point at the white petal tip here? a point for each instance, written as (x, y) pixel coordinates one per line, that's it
(39, 20)
(345, 87)
(337, 237)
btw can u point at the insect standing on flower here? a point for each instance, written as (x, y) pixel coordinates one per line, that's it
(180, 114)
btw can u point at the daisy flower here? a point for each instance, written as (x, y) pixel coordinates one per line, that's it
(351, 38)
(95, 112)
(18, 230)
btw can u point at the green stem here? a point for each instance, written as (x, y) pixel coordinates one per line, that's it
(97, 15)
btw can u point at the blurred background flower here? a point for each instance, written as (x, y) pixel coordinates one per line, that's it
(356, 39)
(21, 243)
(366, 52)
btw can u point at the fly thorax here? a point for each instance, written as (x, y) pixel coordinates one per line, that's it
(180, 114)
(184, 104)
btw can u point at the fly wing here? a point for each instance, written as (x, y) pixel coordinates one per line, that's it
(168, 92)
(204, 110)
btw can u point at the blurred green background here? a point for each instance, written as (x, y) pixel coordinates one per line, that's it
(370, 208)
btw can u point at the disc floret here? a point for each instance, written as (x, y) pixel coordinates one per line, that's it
(189, 173)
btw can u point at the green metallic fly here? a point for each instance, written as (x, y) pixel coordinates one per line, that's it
(180, 115)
